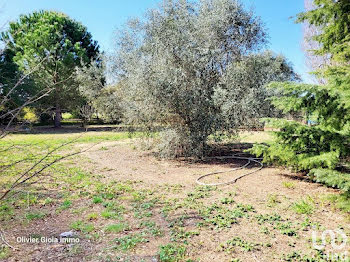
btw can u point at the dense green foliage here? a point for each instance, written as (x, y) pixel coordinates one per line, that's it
(302, 146)
(193, 68)
(49, 46)
(331, 178)
(333, 17)
(15, 89)
(321, 147)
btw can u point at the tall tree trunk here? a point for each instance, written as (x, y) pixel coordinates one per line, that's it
(58, 116)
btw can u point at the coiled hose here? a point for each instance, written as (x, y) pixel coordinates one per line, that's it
(249, 160)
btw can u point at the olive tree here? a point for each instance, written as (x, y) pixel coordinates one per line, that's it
(242, 96)
(180, 68)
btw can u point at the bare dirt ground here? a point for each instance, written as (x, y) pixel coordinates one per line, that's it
(270, 214)
(120, 162)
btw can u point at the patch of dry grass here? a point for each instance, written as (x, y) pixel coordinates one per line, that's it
(255, 136)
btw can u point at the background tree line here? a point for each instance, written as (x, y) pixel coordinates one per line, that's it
(194, 69)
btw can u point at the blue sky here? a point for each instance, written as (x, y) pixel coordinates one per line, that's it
(104, 16)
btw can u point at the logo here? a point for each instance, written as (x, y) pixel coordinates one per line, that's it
(338, 241)
(334, 235)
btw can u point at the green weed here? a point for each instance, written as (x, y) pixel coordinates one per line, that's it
(341, 201)
(289, 185)
(221, 217)
(113, 206)
(296, 256)
(5, 252)
(152, 228)
(172, 253)
(180, 234)
(265, 230)
(230, 245)
(109, 214)
(6, 211)
(35, 215)
(200, 192)
(304, 206)
(48, 201)
(227, 200)
(129, 242)
(268, 218)
(83, 227)
(286, 228)
(307, 224)
(66, 204)
(92, 216)
(143, 210)
(272, 200)
(116, 228)
(97, 200)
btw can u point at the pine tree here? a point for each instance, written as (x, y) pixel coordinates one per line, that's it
(50, 46)
(322, 149)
